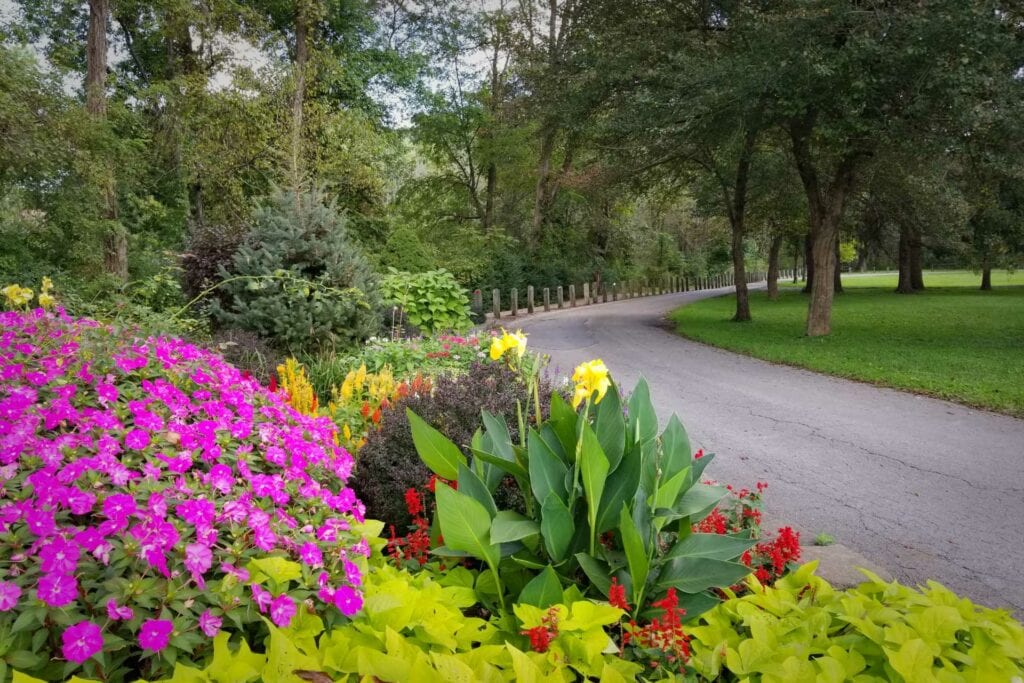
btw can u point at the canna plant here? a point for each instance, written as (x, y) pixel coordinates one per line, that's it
(606, 499)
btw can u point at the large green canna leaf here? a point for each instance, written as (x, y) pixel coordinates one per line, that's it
(593, 472)
(699, 500)
(715, 546)
(474, 487)
(435, 450)
(510, 526)
(511, 467)
(465, 524)
(556, 527)
(543, 590)
(636, 555)
(547, 469)
(491, 474)
(497, 430)
(596, 571)
(610, 426)
(620, 488)
(563, 421)
(675, 448)
(643, 422)
(696, 574)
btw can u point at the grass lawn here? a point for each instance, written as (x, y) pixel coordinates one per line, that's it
(952, 340)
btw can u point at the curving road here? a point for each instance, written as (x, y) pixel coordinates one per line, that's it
(925, 488)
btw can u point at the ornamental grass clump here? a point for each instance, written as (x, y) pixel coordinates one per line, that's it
(153, 496)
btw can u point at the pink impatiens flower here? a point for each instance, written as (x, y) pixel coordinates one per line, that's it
(155, 634)
(262, 597)
(311, 555)
(348, 600)
(9, 594)
(198, 558)
(59, 556)
(282, 609)
(118, 613)
(137, 439)
(81, 641)
(209, 623)
(57, 590)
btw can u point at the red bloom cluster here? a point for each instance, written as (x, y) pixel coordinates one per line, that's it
(771, 557)
(664, 634)
(416, 544)
(541, 636)
(617, 595)
(714, 523)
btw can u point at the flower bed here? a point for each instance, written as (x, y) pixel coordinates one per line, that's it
(154, 495)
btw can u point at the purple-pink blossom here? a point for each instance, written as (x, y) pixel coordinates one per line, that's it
(155, 634)
(9, 595)
(209, 623)
(261, 596)
(282, 609)
(348, 600)
(57, 590)
(116, 613)
(81, 641)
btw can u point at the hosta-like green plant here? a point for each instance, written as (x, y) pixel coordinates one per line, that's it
(432, 301)
(607, 498)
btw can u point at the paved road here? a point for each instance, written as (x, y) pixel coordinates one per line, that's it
(924, 488)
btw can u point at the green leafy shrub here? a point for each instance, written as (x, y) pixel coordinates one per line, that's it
(803, 630)
(605, 498)
(388, 464)
(298, 279)
(428, 356)
(431, 302)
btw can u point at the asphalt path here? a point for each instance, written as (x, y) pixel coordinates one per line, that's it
(926, 488)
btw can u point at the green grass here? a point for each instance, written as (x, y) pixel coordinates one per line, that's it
(952, 340)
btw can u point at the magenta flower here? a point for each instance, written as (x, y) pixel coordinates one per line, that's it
(311, 555)
(209, 623)
(155, 634)
(59, 556)
(81, 641)
(9, 594)
(282, 609)
(262, 597)
(137, 439)
(57, 590)
(232, 570)
(118, 613)
(348, 600)
(198, 558)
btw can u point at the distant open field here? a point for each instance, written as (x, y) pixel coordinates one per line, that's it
(951, 341)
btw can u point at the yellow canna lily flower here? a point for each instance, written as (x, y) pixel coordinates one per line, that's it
(46, 300)
(17, 295)
(590, 378)
(508, 341)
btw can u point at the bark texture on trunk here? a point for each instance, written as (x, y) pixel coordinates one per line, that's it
(796, 263)
(911, 276)
(838, 280)
(826, 201)
(115, 241)
(774, 252)
(986, 279)
(808, 264)
(541, 191)
(299, 96)
(916, 261)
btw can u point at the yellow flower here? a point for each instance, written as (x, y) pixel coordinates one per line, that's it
(508, 341)
(46, 300)
(47, 285)
(17, 295)
(590, 378)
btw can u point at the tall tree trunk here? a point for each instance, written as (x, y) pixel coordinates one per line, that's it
(916, 260)
(904, 284)
(774, 251)
(739, 268)
(492, 188)
(837, 283)
(986, 278)
(115, 241)
(823, 256)
(541, 191)
(862, 258)
(299, 96)
(796, 262)
(808, 263)
(737, 218)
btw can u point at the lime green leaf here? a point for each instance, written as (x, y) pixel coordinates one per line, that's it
(277, 569)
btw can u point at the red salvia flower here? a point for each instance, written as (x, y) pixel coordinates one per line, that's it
(617, 595)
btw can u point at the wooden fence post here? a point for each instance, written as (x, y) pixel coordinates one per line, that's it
(586, 293)
(529, 298)
(515, 302)
(604, 292)
(572, 295)
(496, 303)
(478, 302)
(547, 299)
(558, 295)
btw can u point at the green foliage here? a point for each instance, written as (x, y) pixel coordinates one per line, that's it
(587, 475)
(802, 629)
(824, 539)
(298, 280)
(431, 301)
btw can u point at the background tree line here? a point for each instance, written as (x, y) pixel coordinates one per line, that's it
(512, 142)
